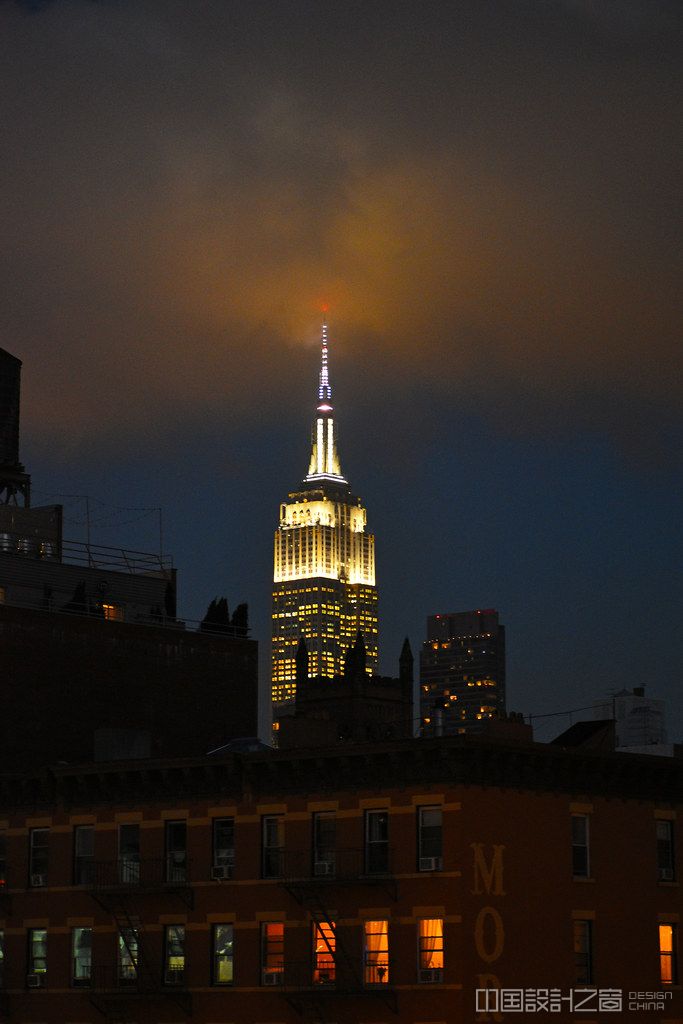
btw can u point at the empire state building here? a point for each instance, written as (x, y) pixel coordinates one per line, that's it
(324, 574)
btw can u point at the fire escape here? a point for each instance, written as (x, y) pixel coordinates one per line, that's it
(316, 886)
(125, 889)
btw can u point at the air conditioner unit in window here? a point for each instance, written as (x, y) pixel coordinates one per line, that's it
(666, 875)
(38, 880)
(272, 977)
(174, 976)
(323, 867)
(35, 980)
(219, 872)
(431, 975)
(431, 863)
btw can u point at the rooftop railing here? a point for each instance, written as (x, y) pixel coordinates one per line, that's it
(95, 556)
(63, 606)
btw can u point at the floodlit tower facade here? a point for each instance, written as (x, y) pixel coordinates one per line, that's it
(324, 572)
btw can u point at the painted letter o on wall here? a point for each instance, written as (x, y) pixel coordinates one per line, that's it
(489, 946)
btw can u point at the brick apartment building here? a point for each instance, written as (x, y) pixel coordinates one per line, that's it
(362, 884)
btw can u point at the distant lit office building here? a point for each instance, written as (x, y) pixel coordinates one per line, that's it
(324, 567)
(462, 672)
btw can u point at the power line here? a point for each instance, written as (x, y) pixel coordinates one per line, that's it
(555, 714)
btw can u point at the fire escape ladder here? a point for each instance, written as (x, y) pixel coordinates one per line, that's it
(148, 969)
(348, 972)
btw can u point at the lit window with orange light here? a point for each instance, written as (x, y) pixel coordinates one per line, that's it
(324, 952)
(376, 958)
(430, 950)
(272, 952)
(112, 612)
(668, 966)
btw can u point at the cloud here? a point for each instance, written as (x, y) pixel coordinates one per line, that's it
(485, 202)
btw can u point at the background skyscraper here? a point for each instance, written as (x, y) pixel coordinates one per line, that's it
(462, 671)
(324, 572)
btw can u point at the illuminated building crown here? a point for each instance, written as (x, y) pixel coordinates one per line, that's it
(324, 464)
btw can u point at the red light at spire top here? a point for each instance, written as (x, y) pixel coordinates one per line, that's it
(324, 308)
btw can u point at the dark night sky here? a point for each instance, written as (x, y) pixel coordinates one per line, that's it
(485, 194)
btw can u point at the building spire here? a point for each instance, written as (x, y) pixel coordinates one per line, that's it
(324, 464)
(324, 389)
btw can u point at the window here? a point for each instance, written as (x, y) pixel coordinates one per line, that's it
(272, 952)
(376, 842)
(324, 843)
(376, 954)
(668, 966)
(583, 951)
(174, 954)
(3, 860)
(429, 839)
(176, 851)
(223, 958)
(84, 854)
(430, 950)
(113, 612)
(324, 951)
(129, 854)
(2, 955)
(81, 956)
(273, 845)
(38, 856)
(223, 847)
(666, 869)
(36, 974)
(127, 947)
(580, 858)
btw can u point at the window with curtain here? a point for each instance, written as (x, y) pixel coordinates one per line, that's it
(223, 954)
(324, 951)
(430, 950)
(376, 958)
(37, 957)
(81, 956)
(668, 967)
(174, 954)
